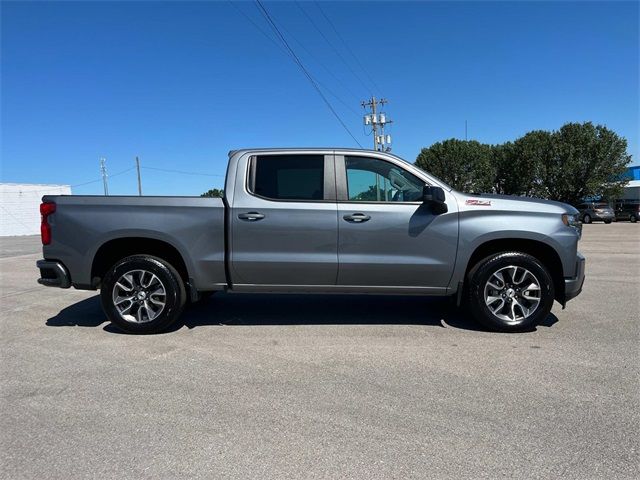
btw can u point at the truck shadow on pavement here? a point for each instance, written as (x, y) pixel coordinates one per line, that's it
(295, 309)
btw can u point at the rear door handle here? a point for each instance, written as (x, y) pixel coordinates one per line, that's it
(357, 218)
(251, 216)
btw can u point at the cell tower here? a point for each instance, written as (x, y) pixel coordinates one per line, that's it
(377, 120)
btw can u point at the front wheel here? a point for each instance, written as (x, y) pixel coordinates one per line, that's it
(633, 219)
(142, 294)
(607, 221)
(510, 291)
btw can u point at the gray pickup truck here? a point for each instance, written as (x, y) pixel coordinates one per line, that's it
(315, 220)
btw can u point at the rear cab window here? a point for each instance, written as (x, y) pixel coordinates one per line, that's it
(288, 177)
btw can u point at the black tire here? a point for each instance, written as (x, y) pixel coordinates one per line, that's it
(633, 218)
(481, 273)
(174, 294)
(586, 218)
(607, 221)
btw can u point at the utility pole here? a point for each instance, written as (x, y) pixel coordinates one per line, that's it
(465, 130)
(139, 181)
(378, 120)
(103, 171)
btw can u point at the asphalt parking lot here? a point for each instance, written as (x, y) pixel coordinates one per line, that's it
(324, 386)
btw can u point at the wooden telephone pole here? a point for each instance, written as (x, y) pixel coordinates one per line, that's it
(139, 180)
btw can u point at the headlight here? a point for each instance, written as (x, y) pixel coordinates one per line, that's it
(572, 221)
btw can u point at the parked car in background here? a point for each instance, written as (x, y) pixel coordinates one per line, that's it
(627, 210)
(596, 212)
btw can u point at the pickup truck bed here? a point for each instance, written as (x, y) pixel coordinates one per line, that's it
(88, 226)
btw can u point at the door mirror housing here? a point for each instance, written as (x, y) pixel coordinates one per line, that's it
(434, 197)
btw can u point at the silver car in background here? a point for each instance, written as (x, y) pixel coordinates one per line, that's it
(596, 212)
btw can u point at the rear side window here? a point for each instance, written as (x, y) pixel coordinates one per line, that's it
(288, 177)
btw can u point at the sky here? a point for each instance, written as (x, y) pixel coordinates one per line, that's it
(179, 84)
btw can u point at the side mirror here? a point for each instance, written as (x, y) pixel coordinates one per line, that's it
(435, 198)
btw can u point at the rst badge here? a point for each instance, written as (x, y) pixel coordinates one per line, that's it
(478, 203)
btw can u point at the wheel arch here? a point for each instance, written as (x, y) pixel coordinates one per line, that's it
(118, 248)
(543, 252)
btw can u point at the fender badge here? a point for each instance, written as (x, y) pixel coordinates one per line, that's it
(478, 203)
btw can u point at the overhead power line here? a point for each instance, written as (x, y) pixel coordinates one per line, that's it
(297, 60)
(337, 52)
(46, 191)
(122, 172)
(328, 70)
(86, 183)
(346, 45)
(179, 171)
(284, 52)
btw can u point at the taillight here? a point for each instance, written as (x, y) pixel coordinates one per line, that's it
(46, 209)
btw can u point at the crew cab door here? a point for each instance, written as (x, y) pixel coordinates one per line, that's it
(387, 237)
(284, 222)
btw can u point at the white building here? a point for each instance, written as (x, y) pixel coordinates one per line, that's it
(20, 206)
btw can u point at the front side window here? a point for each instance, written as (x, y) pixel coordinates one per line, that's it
(373, 180)
(288, 177)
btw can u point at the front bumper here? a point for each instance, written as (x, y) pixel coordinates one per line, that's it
(573, 286)
(53, 274)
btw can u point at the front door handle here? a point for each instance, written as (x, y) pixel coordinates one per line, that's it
(251, 216)
(356, 218)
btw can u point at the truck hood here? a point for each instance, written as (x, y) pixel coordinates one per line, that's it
(512, 202)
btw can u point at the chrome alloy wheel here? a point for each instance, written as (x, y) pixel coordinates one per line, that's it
(139, 296)
(512, 293)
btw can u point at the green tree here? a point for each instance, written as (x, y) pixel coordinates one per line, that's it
(370, 195)
(586, 160)
(506, 181)
(465, 165)
(579, 160)
(518, 164)
(214, 192)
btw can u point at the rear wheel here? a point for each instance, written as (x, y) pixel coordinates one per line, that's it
(510, 292)
(142, 294)
(633, 218)
(607, 221)
(586, 218)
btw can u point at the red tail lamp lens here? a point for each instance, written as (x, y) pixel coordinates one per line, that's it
(46, 209)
